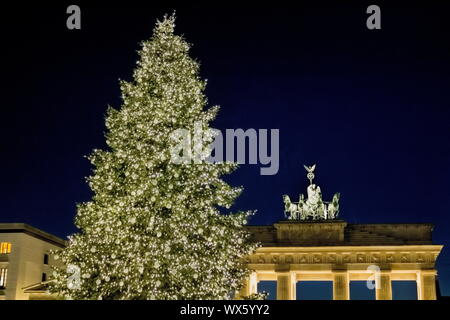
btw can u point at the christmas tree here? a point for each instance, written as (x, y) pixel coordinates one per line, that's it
(154, 228)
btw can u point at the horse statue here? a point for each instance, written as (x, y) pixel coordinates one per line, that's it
(302, 208)
(333, 207)
(290, 207)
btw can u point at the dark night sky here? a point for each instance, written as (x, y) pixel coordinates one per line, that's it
(371, 108)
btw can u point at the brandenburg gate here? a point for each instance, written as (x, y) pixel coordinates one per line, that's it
(313, 245)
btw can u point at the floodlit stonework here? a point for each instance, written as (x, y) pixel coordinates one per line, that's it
(293, 251)
(25, 262)
(290, 251)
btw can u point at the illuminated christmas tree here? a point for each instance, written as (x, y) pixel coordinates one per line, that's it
(153, 229)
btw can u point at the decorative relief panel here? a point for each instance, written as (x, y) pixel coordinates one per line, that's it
(404, 257)
(332, 258)
(376, 258)
(320, 233)
(275, 259)
(433, 257)
(342, 258)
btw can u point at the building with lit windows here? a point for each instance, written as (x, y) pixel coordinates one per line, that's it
(25, 261)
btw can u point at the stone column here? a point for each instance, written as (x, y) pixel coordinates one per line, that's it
(250, 286)
(341, 286)
(253, 283)
(244, 292)
(426, 285)
(383, 286)
(286, 286)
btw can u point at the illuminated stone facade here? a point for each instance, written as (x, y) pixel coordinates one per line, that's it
(293, 251)
(25, 261)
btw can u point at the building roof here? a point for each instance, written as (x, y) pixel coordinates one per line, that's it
(40, 287)
(32, 231)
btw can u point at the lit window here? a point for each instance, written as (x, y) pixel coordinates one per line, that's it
(5, 247)
(3, 273)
